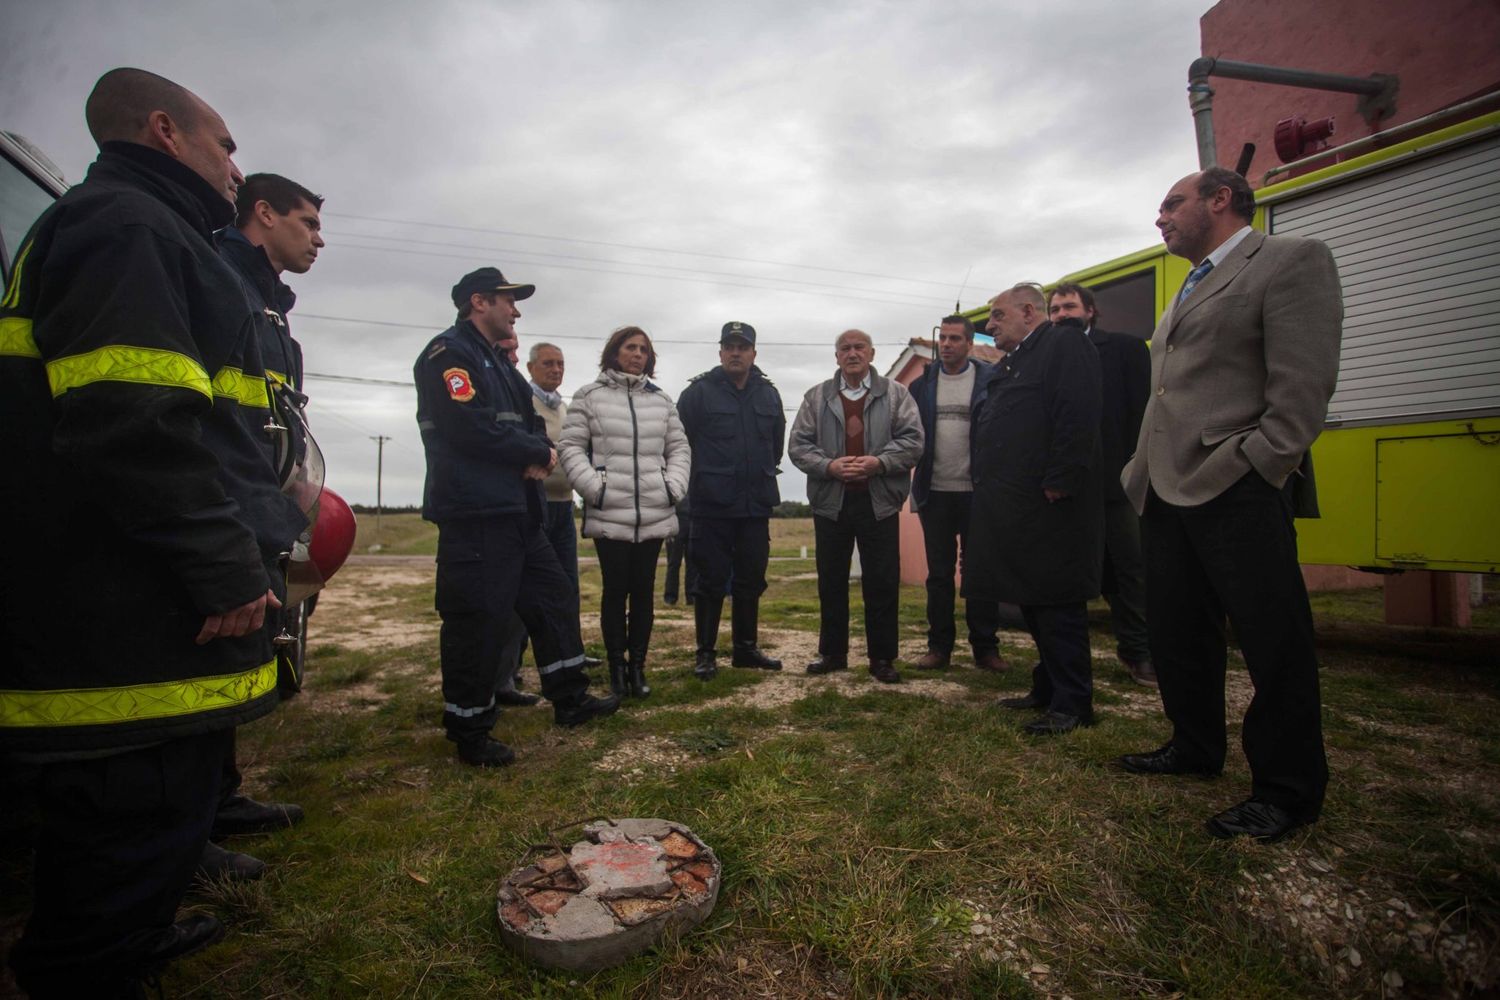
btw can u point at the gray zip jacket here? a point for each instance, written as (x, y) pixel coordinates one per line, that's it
(893, 434)
(625, 452)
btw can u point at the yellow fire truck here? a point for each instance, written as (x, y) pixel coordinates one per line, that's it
(1408, 465)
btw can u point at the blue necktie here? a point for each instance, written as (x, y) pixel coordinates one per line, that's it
(1194, 276)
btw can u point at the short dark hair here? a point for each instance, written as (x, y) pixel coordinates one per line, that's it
(281, 194)
(467, 308)
(963, 321)
(609, 359)
(1085, 295)
(1241, 194)
(122, 101)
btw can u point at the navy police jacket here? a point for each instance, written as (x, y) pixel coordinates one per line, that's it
(479, 429)
(737, 437)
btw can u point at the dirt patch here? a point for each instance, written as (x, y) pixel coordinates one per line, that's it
(353, 611)
(1336, 922)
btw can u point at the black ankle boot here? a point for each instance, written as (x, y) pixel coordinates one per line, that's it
(637, 675)
(745, 622)
(618, 668)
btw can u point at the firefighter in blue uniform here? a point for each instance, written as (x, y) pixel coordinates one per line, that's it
(134, 593)
(736, 427)
(487, 454)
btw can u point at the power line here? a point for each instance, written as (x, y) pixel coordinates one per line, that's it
(867, 297)
(924, 299)
(597, 338)
(635, 246)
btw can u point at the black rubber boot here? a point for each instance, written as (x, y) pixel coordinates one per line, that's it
(618, 681)
(637, 676)
(706, 613)
(745, 621)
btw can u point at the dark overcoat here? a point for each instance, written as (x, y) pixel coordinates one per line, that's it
(1037, 424)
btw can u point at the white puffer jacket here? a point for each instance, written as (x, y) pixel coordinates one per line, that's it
(624, 451)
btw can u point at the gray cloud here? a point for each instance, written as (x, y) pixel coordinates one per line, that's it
(910, 143)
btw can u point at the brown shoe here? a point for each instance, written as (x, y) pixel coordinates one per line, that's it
(932, 660)
(1141, 671)
(884, 671)
(990, 660)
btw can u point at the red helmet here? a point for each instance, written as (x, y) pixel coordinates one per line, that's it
(332, 540)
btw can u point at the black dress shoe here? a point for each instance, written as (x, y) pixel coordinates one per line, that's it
(827, 664)
(1023, 703)
(516, 699)
(1166, 760)
(585, 708)
(1053, 724)
(217, 864)
(187, 936)
(240, 814)
(486, 752)
(706, 666)
(1257, 818)
(751, 656)
(1141, 671)
(884, 671)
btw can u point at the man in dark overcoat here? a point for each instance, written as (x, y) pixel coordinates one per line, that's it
(1038, 500)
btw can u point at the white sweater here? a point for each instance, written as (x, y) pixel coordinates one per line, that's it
(625, 453)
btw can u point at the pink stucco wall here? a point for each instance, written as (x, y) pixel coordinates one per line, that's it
(1444, 51)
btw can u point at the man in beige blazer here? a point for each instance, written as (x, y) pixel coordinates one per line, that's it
(1242, 366)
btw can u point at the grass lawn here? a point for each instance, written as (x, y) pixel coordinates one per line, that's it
(876, 841)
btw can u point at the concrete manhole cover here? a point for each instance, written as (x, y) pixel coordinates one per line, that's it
(610, 896)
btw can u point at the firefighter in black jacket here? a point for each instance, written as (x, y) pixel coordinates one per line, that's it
(487, 454)
(737, 430)
(276, 228)
(149, 524)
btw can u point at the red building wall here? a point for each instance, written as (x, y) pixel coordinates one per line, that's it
(1444, 51)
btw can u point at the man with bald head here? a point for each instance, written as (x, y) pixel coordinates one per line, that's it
(857, 436)
(1038, 527)
(135, 401)
(1243, 363)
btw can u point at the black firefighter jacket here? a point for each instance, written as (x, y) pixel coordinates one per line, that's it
(132, 399)
(1037, 424)
(479, 428)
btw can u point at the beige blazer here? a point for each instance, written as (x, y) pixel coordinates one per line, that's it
(1241, 373)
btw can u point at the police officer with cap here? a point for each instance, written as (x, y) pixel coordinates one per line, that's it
(487, 454)
(737, 429)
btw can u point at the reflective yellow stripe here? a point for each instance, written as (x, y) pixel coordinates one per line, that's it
(128, 364)
(276, 377)
(242, 388)
(134, 703)
(16, 339)
(13, 293)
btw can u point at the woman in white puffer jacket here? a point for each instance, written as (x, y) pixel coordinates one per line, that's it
(624, 451)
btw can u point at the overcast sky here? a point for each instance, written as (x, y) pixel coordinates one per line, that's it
(801, 166)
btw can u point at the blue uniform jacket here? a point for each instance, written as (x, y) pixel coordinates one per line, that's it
(479, 429)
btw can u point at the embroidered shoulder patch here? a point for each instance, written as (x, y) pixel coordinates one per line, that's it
(460, 387)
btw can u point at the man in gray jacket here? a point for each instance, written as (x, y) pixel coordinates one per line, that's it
(857, 437)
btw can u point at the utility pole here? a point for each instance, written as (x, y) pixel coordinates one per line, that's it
(380, 440)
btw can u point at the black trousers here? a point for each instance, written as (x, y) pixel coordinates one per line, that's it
(1126, 570)
(562, 534)
(732, 553)
(1235, 557)
(629, 571)
(487, 569)
(118, 841)
(1063, 676)
(945, 525)
(680, 565)
(879, 544)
